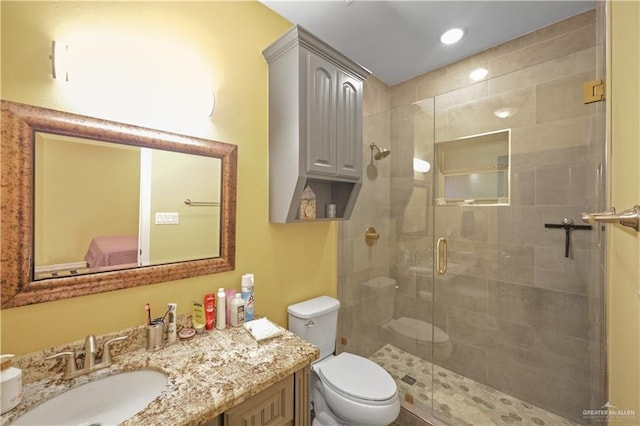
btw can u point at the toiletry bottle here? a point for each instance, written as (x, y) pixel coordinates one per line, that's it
(221, 315)
(248, 296)
(210, 310)
(198, 317)
(229, 295)
(237, 310)
(172, 326)
(11, 378)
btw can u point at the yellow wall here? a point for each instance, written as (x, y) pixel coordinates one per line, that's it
(623, 271)
(176, 176)
(83, 190)
(147, 63)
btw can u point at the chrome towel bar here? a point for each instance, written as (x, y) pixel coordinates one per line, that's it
(630, 217)
(200, 203)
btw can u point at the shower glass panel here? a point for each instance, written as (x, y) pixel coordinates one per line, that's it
(513, 332)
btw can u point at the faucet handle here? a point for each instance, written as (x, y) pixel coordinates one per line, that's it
(106, 348)
(71, 361)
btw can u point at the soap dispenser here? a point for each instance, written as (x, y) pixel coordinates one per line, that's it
(11, 378)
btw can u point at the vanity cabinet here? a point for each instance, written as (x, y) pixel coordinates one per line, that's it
(284, 403)
(315, 126)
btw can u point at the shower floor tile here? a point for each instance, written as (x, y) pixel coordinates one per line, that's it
(458, 399)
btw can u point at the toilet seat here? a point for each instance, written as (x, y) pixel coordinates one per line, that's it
(358, 379)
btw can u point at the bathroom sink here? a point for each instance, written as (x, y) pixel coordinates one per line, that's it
(107, 401)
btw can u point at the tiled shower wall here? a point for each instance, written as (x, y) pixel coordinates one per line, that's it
(521, 317)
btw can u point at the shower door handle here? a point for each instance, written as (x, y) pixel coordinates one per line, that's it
(441, 256)
(630, 217)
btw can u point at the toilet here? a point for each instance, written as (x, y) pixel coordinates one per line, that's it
(418, 337)
(345, 389)
(412, 335)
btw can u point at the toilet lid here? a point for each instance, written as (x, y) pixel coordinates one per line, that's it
(358, 377)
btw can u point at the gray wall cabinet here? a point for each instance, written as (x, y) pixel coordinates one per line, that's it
(315, 126)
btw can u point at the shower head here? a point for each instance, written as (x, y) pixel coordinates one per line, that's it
(380, 153)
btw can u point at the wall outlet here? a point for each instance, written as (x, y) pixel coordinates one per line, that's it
(163, 218)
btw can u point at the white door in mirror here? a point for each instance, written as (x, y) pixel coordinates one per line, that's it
(111, 400)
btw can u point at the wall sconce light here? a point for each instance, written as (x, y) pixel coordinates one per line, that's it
(59, 60)
(212, 105)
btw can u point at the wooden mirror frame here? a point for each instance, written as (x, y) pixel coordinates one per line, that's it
(19, 124)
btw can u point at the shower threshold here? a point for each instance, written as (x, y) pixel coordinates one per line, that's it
(458, 400)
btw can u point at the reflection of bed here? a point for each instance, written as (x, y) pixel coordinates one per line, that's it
(112, 250)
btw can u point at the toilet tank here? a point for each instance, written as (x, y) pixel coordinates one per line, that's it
(316, 321)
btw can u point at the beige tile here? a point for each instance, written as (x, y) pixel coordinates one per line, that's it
(402, 120)
(403, 93)
(572, 132)
(441, 126)
(509, 47)
(574, 63)
(562, 98)
(464, 95)
(455, 77)
(478, 117)
(423, 126)
(376, 96)
(541, 52)
(565, 26)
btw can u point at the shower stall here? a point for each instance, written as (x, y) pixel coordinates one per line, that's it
(482, 292)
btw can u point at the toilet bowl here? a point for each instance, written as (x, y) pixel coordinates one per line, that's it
(346, 389)
(418, 337)
(356, 391)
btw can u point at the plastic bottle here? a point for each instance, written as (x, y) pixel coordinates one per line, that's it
(248, 296)
(11, 384)
(172, 322)
(221, 314)
(237, 310)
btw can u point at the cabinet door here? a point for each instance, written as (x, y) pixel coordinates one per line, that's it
(271, 407)
(320, 116)
(349, 126)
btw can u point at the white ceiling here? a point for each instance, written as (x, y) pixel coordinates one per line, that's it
(398, 40)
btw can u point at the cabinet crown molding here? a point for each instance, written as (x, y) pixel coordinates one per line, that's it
(298, 36)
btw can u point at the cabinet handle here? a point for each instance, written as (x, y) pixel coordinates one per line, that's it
(441, 255)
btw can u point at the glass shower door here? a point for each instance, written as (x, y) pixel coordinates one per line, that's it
(518, 304)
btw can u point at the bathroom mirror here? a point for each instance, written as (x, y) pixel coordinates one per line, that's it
(180, 225)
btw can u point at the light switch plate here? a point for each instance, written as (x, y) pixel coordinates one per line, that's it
(167, 218)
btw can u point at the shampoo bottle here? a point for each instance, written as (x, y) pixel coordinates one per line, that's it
(247, 296)
(11, 384)
(237, 311)
(221, 315)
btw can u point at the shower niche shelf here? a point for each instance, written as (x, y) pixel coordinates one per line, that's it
(474, 170)
(315, 126)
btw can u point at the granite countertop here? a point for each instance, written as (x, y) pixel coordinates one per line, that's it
(208, 374)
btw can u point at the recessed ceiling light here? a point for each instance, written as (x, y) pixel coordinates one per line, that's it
(478, 74)
(452, 36)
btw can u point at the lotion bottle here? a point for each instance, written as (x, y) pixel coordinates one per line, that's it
(11, 384)
(221, 314)
(237, 310)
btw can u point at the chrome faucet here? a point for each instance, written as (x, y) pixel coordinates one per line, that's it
(90, 356)
(90, 351)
